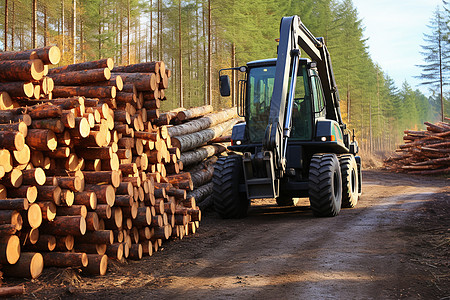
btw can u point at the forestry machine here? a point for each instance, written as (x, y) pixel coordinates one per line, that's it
(294, 142)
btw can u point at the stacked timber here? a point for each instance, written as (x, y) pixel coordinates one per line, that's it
(424, 152)
(22, 132)
(197, 133)
(84, 169)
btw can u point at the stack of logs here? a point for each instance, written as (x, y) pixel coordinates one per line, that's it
(424, 152)
(198, 133)
(87, 171)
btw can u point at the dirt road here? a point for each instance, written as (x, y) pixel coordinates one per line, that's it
(393, 245)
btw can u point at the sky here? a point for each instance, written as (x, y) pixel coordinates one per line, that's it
(395, 29)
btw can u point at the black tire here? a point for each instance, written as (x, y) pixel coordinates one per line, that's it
(325, 185)
(284, 200)
(229, 203)
(350, 180)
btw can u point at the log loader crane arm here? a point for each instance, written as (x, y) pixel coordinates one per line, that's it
(293, 36)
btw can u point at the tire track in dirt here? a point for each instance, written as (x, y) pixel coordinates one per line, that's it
(354, 255)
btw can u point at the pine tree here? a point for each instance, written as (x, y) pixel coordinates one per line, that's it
(436, 72)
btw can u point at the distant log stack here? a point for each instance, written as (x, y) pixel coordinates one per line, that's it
(87, 167)
(424, 152)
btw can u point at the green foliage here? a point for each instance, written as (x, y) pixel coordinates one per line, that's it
(370, 102)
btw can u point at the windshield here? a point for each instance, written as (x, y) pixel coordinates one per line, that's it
(259, 95)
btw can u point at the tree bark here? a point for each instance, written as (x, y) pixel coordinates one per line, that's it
(196, 139)
(97, 64)
(86, 91)
(65, 259)
(25, 70)
(202, 123)
(201, 192)
(9, 249)
(81, 77)
(50, 55)
(29, 265)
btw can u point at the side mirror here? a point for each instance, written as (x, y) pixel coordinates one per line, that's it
(224, 85)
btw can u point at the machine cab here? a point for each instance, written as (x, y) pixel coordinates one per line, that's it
(256, 95)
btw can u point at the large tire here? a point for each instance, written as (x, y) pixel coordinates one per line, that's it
(325, 185)
(229, 203)
(350, 178)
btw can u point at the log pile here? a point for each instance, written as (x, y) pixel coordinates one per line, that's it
(424, 152)
(198, 133)
(87, 170)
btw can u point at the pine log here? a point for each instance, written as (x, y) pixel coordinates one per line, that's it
(45, 111)
(147, 67)
(65, 259)
(41, 139)
(7, 229)
(87, 198)
(65, 225)
(102, 63)
(196, 139)
(97, 264)
(99, 237)
(162, 232)
(115, 251)
(11, 217)
(9, 249)
(135, 252)
(34, 215)
(201, 192)
(18, 88)
(18, 204)
(81, 77)
(109, 177)
(21, 157)
(12, 140)
(222, 139)
(49, 55)
(10, 291)
(29, 265)
(6, 101)
(26, 70)
(105, 193)
(74, 210)
(34, 176)
(86, 91)
(64, 243)
(141, 81)
(6, 161)
(194, 112)
(45, 243)
(12, 179)
(18, 126)
(48, 210)
(49, 193)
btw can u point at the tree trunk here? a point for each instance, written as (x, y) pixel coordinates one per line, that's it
(65, 259)
(81, 77)
(196, 139)
(29, 265)
(201, 123)
(96, 64)
(201, 192)
(17, 70)
(9, 249)
(98, 264)
(64, 225)
(86, 91)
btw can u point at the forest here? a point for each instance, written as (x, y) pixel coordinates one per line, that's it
(197, 38)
